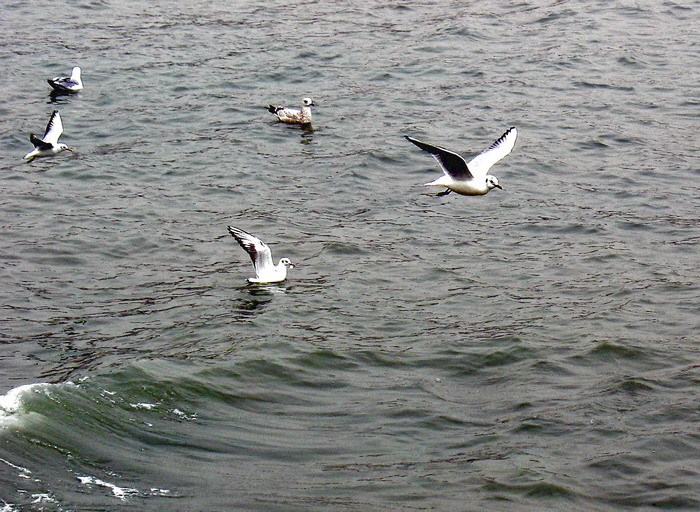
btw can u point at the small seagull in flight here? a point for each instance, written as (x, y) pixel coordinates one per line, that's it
(265, 270)
(48, 145)
(293, 116)
(67, 84)
(469, 179)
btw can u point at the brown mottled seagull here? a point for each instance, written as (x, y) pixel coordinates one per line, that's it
(293, 116)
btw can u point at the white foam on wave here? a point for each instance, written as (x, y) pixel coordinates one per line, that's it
(12, 403)
(43, 498)
(120, 492)
(144, 405)
(22, 472)
(184, 415)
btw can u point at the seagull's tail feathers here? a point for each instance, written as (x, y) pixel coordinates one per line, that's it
(56, 86)
(274, 109)
(442, 181)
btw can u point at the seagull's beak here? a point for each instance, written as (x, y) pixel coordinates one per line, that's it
(68, 149)
(498, 186)
(292, 265)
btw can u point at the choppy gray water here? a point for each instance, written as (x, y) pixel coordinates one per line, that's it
(532, 349)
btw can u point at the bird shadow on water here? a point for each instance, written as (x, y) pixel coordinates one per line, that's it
(259, 296)
(59, 98)
(307, 134)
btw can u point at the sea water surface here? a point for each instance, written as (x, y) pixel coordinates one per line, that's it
(532, 349)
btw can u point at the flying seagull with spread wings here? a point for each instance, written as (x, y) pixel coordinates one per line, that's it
(48, 145)
(469, 179)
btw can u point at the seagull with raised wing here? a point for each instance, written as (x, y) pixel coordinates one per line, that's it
(261, 255)
(48, 145)
(469, 179)
(293, 116)
(67, 84)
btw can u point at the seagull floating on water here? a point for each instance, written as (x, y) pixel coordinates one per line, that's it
(260, 253)
(469, 179)
(67, 84)
(48, 145)
(293, 116)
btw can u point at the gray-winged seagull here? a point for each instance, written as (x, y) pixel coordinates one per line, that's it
(67, 84)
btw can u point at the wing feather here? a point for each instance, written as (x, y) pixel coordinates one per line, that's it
(289, 114)
(452, 164)
(54, 128)
(260, 254)
(501, 147)
(38, 143)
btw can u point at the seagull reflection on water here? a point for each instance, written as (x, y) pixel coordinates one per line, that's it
(260, 296)
(307, 136)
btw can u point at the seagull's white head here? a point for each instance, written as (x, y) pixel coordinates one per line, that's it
(75, 74)
(308, 102)
(63, 147)
(492, 182)
(287, 262)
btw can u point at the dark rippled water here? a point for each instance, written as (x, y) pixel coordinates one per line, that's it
(533, 349)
